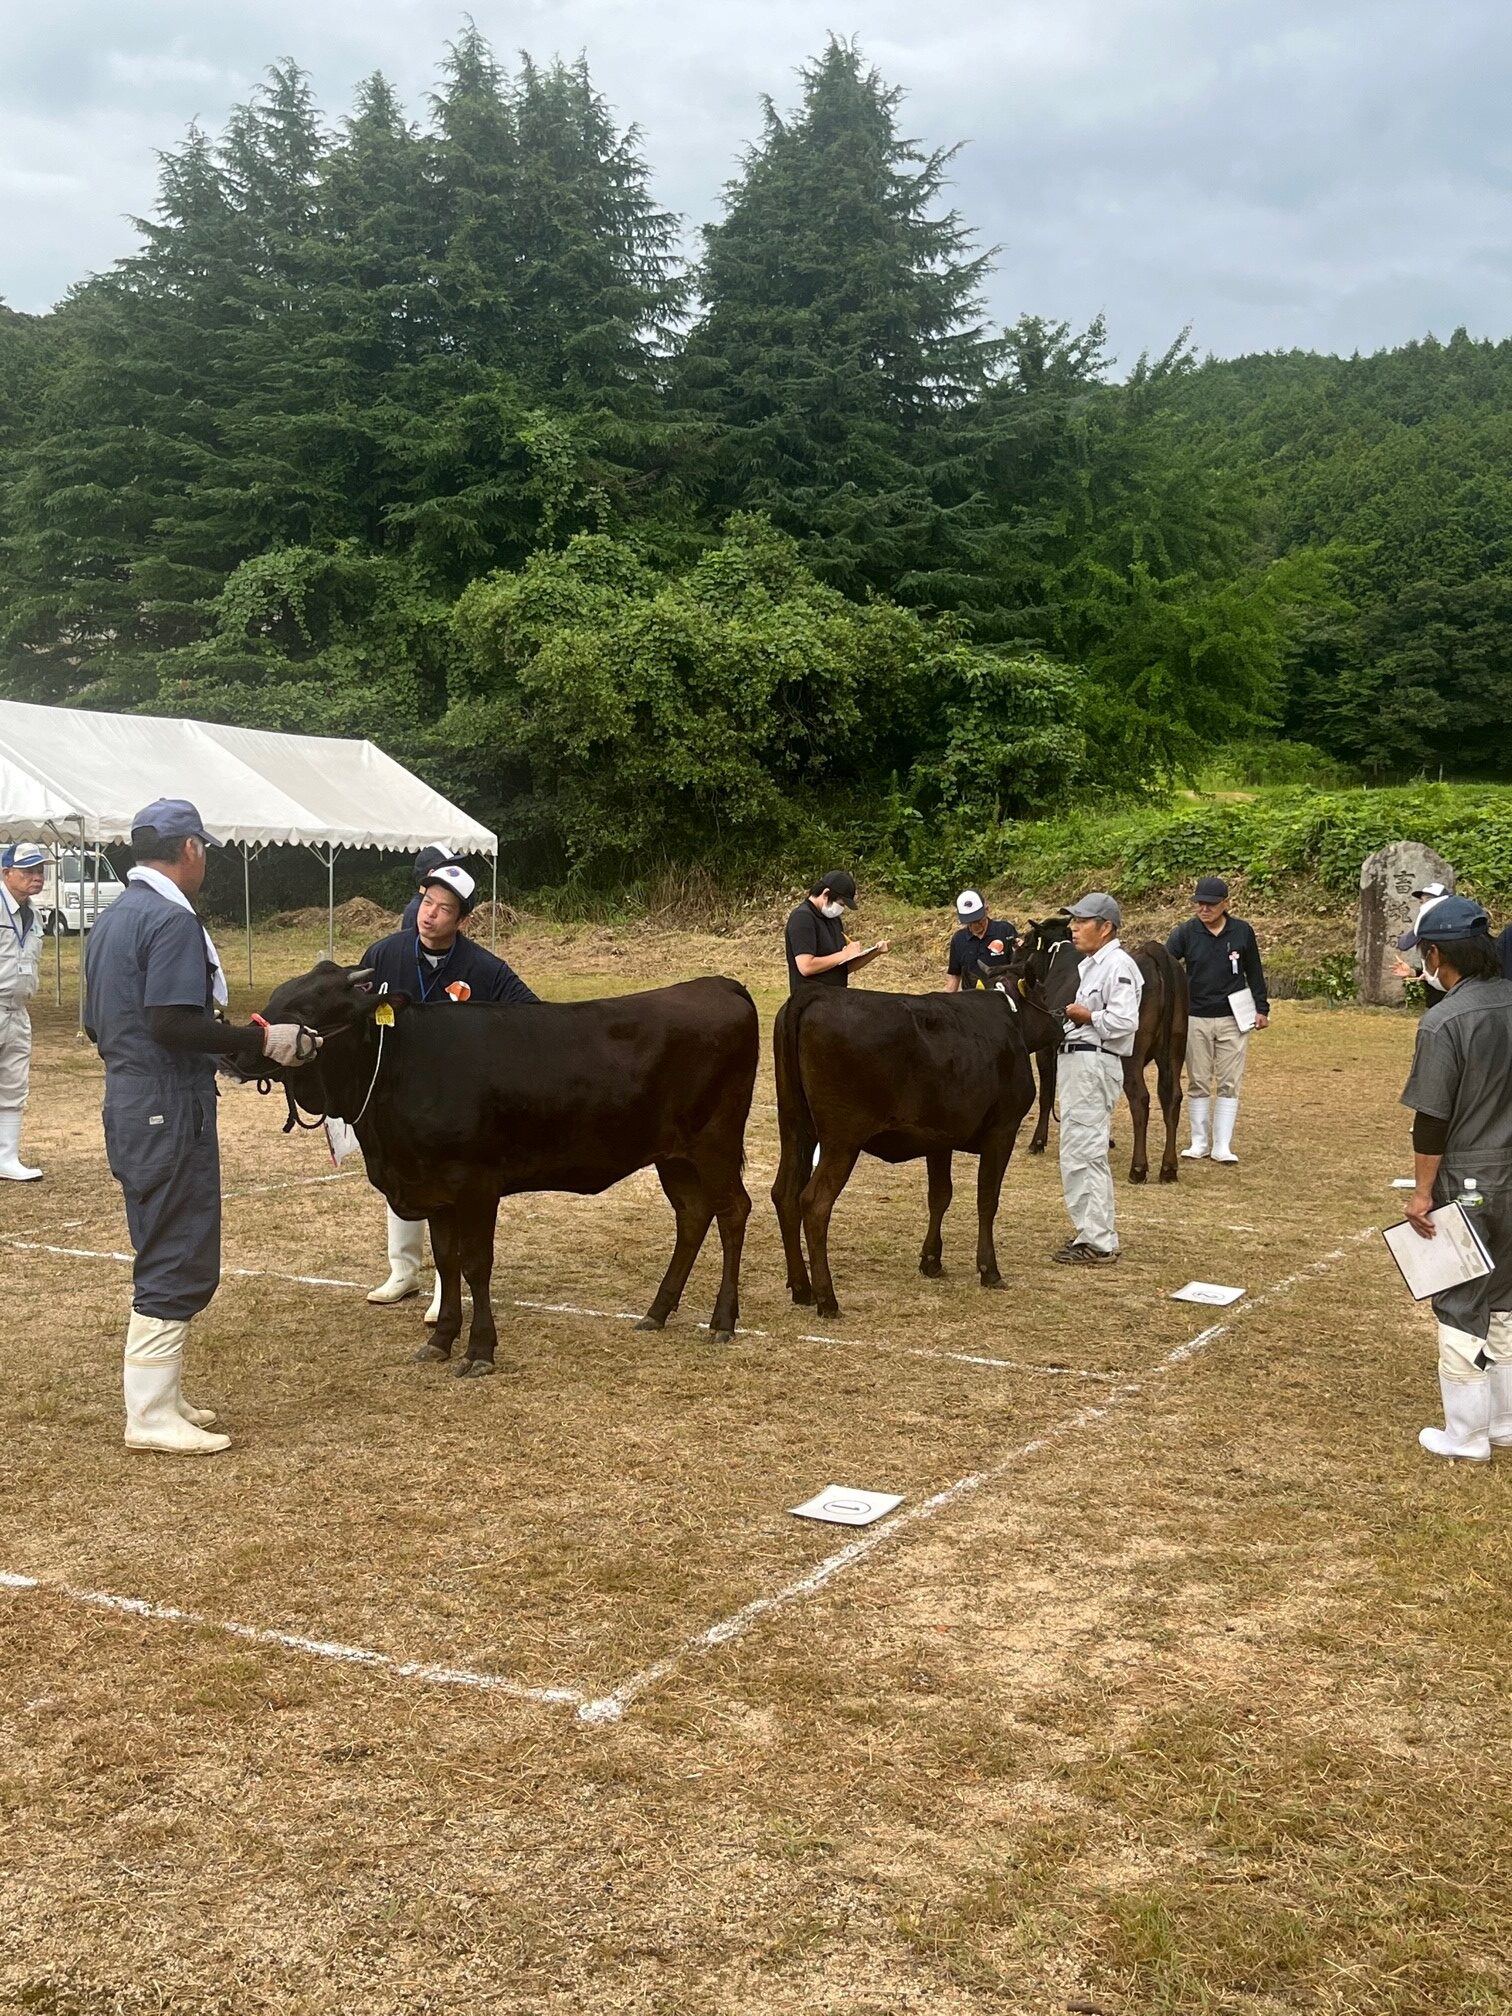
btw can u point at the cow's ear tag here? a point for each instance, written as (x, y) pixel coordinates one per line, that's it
(383, 1014)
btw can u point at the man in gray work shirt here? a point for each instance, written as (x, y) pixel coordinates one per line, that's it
(1460, 1092)
(1100, 1028)
(154, 981)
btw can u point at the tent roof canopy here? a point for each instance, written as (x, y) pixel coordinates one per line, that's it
(65, 768)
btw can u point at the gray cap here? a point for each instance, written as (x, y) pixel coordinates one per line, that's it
(1097, 903)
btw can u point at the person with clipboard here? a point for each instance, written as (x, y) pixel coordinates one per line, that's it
(1460, 1094)
(1228, 1000)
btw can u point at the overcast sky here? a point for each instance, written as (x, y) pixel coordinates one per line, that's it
(1330, 174)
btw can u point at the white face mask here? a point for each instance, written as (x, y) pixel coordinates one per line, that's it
(832, 909)
(1434, 982)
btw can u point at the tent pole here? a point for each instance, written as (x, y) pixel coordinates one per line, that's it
(81, 922)
(57, 920)
(331, 903)
(493, 915)
(247, 900)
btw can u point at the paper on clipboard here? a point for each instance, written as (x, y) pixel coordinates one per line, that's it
(1430, 1266)
(1245, 1013)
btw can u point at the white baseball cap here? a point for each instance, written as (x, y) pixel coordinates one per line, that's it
(460, 883)
(969, 904)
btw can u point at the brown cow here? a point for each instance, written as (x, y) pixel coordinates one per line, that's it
(456, 1106)
(1049, 961)
(898, 1076)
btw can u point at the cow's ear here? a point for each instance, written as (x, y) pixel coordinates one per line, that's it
(324, 966)
(397, 1002)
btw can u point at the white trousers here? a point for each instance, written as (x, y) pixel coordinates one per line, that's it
(15, 1057)
(1090, 1084)
(1458, 1350)
(1215, 1054)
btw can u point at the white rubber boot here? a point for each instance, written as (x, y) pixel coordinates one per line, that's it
(1499, 1379)
(1198, 1111)
(406, 1251)
(154, 1365)
(1225, 1113)
(12, 1168)
(1465, 1435)
(433, 1313)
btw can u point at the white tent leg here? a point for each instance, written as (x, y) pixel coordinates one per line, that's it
(493, 915)
(81, 928)
(247, 900)
(330, 902)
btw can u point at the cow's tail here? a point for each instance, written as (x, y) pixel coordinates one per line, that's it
(794, 1114)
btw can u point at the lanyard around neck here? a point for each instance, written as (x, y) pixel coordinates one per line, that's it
(435, 981)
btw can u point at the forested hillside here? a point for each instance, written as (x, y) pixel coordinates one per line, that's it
(423, 431)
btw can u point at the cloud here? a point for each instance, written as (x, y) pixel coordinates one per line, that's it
(1321, 173)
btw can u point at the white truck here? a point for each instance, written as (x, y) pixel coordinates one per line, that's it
(79, 903)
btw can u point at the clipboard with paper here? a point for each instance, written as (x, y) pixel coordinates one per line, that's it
(1432, 1266)
(1242, 1008)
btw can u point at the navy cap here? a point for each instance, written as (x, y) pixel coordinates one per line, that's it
(173, 819)
(1446, 922)
(1211, 889)
(430, 858)
(23, 854)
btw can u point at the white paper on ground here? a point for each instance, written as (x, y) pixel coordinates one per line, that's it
(840, 1505)
(1429, 1266)
(1404, 1182)
(1209, 1292)
(1244, 1011)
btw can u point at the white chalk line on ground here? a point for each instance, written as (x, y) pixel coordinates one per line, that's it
(293, 1641)
(611, 1707)
(598, 1315)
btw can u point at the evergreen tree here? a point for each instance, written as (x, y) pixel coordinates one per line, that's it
(840, 344)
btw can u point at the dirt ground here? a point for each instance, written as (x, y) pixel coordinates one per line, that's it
(1178, 1682)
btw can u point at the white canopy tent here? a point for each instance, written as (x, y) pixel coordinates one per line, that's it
(75, 778)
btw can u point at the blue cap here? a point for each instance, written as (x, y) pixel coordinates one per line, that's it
(23, 854)
(174, 819)
(1445, 922)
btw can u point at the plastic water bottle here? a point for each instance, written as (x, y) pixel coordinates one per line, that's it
(1470, 1194)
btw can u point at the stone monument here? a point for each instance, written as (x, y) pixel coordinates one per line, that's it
(1387, 908)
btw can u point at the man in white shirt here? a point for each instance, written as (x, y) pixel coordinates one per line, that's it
(1099, 1033)
(20, 964)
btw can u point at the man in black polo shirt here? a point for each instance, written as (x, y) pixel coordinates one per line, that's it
(818, 951)
(970, 944)
(1222, 960)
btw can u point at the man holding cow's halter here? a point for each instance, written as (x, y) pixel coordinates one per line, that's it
(1100, 1027)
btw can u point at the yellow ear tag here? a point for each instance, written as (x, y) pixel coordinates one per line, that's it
(383, 1014)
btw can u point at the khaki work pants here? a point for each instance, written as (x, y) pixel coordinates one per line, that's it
(1458, 1350)
(1090, 1084)
(1216, 1047)
(15, 1056)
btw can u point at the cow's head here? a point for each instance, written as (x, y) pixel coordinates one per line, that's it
(330, 999)
(1047, 961)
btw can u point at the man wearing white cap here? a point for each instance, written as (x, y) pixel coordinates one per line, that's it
(1101, 1024)
(20, 962)
(976, 934)
(434, 961)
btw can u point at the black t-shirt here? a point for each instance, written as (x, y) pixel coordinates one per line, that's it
(819, 936)
(967, 951)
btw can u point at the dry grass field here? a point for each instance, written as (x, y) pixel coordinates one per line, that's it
(1177, 1684)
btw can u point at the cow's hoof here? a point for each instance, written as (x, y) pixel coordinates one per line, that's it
(1036, 1147)
(804, 1297)
(1139, 1175)
(1169, 1175)
(475, 1368)
(826, 1308)
(992, 1280)
(432, 1354)
(721, 1336)
(931, 1269)
(651, 1323)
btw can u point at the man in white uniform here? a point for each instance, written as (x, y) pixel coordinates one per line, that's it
(1099, 1033)
(20, 964)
